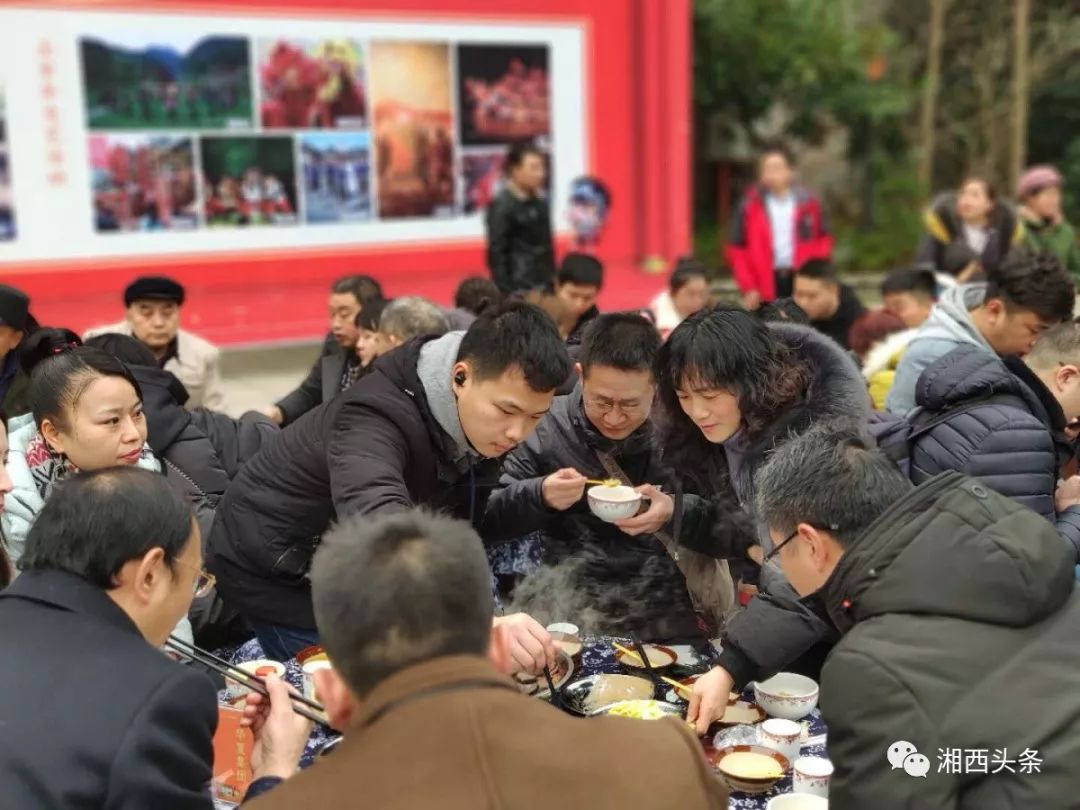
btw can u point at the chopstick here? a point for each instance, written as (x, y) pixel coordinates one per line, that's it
(556, 698)
(606, 482)
(241, 676)
(644, 657)
(628, 652)
(681, 688)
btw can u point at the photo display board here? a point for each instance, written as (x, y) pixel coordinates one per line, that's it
(126, 134)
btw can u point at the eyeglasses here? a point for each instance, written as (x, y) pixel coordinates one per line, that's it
(776, 549)
(605, 406)
(204, 583)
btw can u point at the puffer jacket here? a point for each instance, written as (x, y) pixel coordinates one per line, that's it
(943, 226)
(1015, 447)
(959, 614)
(520, 251)
(777, 628)
(627, 584)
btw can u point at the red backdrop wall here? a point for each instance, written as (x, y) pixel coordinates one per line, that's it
(637, 97)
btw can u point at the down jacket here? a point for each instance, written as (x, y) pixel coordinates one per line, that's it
(1014, 450)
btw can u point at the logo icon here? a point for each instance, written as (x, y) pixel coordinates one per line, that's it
(905, 756)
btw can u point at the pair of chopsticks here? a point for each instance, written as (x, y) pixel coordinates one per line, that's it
(603, 482)
(242, 677)
(681, 688)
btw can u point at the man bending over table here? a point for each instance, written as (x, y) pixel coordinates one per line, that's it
(959, 616)
(427, 427)
(403, 605)
(92, 715)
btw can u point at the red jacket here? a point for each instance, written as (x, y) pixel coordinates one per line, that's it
(750, 251)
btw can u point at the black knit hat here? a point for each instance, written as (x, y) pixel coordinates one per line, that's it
(14, 308)
(581, 268)
(154, 288)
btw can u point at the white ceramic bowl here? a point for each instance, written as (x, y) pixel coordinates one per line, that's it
(613, 503)
(787, 695)
(797, 801)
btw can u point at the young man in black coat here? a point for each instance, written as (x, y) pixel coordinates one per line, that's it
(338, 366)
(93, 714)
(520, 250)
(618, 573)
(427, 427)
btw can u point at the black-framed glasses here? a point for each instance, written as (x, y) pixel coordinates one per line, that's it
(776, 549)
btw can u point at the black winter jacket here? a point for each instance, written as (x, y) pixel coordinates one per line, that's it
(520, 252)
(626, 584)
(322, 383)
(374, 448)
(777, 627)
(959, 614)
(1016, 450)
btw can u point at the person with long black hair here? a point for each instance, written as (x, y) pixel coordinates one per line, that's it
(733, 389)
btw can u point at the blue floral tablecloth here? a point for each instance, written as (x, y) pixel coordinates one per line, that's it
(597, 656)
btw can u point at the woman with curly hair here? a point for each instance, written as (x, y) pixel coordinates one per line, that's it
(734, 388)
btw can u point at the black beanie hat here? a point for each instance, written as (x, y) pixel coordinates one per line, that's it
(154, 288)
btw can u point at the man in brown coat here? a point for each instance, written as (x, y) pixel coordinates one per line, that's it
(404, 608)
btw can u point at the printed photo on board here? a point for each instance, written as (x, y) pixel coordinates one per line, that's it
(248, 181)
(162, 82)
(142, 183)
(336, 171)
(312, 84)
(503, 93)
(413, 129)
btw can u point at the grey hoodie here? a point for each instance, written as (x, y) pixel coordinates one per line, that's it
(437, 358)
(948, 326)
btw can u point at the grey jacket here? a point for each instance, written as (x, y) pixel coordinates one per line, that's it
(959, 614)
(948, 326)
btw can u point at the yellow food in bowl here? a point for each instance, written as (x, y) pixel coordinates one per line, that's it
(748, 765)
(638, 710)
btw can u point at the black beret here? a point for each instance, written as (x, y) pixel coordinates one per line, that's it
(154, 288)
(14, 307)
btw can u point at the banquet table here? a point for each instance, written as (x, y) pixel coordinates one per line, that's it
(597, 656)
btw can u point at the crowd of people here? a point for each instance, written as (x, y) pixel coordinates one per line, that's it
(884, 500)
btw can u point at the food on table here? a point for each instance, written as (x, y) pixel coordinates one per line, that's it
(657, 656)
(262, 672)
(640, 709)
(749, 765)
(742, 714)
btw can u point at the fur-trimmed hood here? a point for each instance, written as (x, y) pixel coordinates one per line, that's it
(836, 390)
(885, 354)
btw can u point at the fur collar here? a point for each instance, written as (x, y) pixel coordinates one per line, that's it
(885, 354)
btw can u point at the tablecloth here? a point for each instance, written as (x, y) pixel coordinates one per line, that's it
(597, 656)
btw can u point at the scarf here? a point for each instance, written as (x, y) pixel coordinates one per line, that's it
(48, 468)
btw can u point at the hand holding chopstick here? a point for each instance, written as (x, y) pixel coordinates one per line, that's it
(241, 676)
